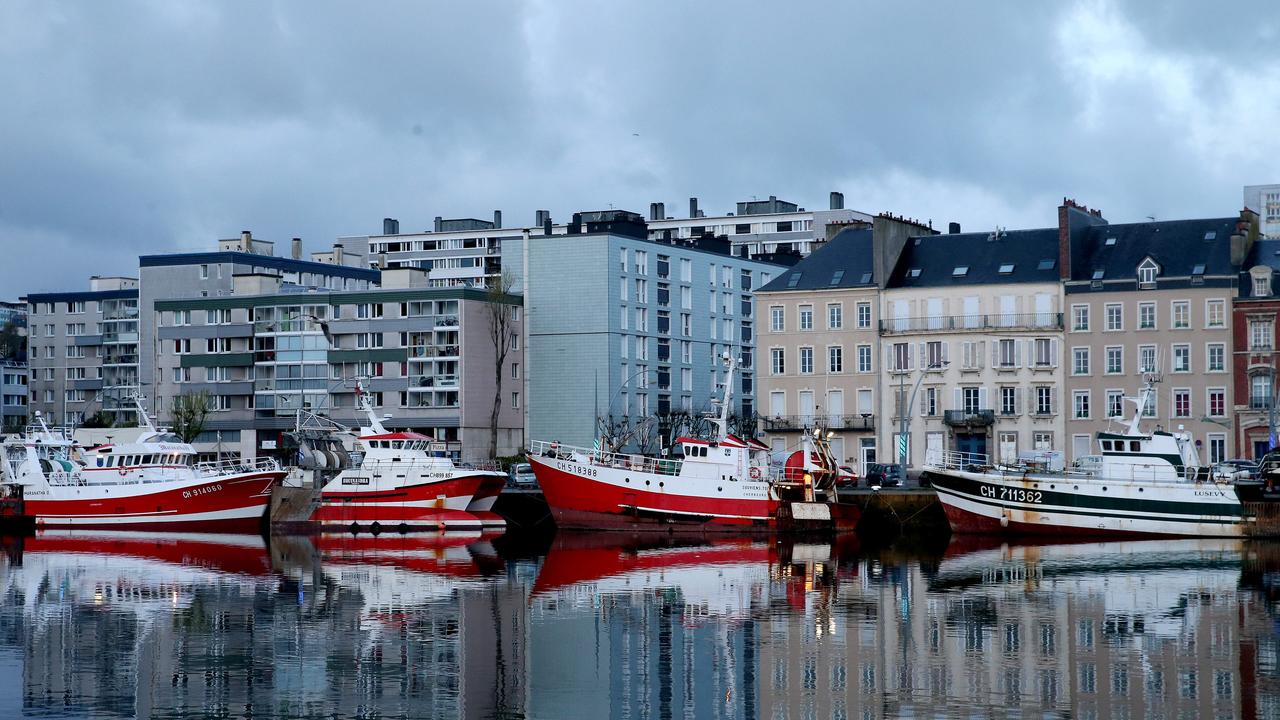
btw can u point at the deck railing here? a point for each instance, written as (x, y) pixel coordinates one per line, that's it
(623, 461)
(217, 468)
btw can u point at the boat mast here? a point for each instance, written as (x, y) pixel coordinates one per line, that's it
(366, 406)
(722, 422)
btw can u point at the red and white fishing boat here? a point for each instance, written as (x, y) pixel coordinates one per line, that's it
(724, 483)
(405, 481)
(154, 482)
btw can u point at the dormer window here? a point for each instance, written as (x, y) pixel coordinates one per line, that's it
(1261, 286)
(1147, 273)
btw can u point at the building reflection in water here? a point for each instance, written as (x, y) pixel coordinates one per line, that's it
(130, 624)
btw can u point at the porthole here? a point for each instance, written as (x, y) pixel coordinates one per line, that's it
(1075, 487)
(646, 482)
(661, 484)
(720, 489)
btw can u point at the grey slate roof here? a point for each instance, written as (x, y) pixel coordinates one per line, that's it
(1016, 256)
(843, 262)
(1266, 253)
(1177, 246)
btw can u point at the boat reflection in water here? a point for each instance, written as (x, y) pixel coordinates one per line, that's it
(130, 624)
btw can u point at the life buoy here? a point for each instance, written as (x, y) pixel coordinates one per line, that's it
(755, 473)
(123, 472)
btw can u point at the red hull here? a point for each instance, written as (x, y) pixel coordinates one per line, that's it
(242, 559)
(578, 502)
(416, 505)
(237, 504)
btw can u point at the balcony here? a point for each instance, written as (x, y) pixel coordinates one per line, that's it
(434, 382)
(433, 351)
(965, 323)
(794, 423)
(967, 419)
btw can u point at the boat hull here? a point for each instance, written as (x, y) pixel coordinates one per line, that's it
(1061, 506)
(482, 502)
(586, 503)
(437, 505)
(236, 503)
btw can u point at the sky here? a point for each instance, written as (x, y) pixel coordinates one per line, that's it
(139, 127)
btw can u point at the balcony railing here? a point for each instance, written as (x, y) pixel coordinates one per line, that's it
(786, 423)
(433, 351)
(952, 323)
(964, 418)
(430, 382)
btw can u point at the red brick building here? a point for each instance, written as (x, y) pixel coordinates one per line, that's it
(1254, 357)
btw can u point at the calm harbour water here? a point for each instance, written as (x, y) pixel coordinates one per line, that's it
(138, 625)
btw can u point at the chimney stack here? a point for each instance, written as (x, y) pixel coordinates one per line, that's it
(246, 240)
(337, 253)
(497, 219)
(541, 217)
(953, 228)
(576, 226)
(653, 211)
(439, 223)
(297, 249)
(837, 200)
(390, 226)
(693, 207)
(546, 224)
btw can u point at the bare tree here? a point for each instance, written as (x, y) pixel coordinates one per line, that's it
(501, 321)
(190, 410)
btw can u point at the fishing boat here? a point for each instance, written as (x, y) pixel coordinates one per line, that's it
(400, 481)
(154, 482)
(1139, 483)
(723, 483)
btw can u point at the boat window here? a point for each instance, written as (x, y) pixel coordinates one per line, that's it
(1133, 446)
(99, 462)
(1106, 446)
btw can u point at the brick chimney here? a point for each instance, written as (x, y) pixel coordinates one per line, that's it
(1069, 231)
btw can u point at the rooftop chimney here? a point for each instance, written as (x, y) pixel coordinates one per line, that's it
(546, 224)
(497, 219)
(390, 226)
(837, 201)
(297, 249)
(439, 223)
(541, 217)
(653, 211)
(337, 253)
(246, 240)
(953, 228)
(576, 225)
(693, 207)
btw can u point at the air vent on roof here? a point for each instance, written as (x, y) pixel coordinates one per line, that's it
(1097, 274)
(795, 280)
(960, 271)
(866, 278)
(836, 277)
(1211, 235)
(1046, 264)
(1110, 241)
(1006, 268)
(915, 272)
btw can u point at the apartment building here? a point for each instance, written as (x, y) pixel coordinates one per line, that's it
(623, 326)
(1255, 308)
(14, 371)
(970, 325)
(1151, 299)
(818, 345)
(263, 351)
(1265, 201)
(759, 227)
(456, 252)
(83, 351)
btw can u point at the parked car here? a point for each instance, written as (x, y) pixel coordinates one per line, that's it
(885, 475)
(522, 475)
(847, 478)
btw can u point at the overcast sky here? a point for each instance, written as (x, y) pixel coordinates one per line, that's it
(147, 127)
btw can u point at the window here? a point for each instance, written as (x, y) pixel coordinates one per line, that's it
(1146, 358)
(514, 340)
(204, 272)
(1182, 402)
(515, 400)
(181, 347)
(864, 358)
(1044, 400)
(1260, 392)
(971, 400)
(686, 324)
(1115, 403)
(181, 317)
(806, 361)
(1008, 401)
(929, 406)
(835, 316)
(1261, 286)
(806, 317)
(1008, 353)
(901, 357)
(686, 269)
(642, 320)
(1217, 400)
(515, 371)
(936, 353)
(1218, 453)
(1215, 357)
(1147, 316)
(1147, 272)
(777, 361)
(642, 290)
(1259, 335)
(1215, 312)
(686, 352)
(1080, 361)
(1115, 317)
(1044, 353)
(776, 321)
(971, 355)
(686, 298)
(1181, 315)
(642, 262)
(835, 359)
(1080, 318)
(1182, 358)
(1080, 404)
(1115, 360)
(864, 315)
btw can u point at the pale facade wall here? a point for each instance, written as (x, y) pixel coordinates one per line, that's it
(1001, 352)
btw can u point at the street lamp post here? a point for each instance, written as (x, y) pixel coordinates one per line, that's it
(905, 404)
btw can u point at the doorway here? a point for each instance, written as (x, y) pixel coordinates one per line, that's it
(972, 443)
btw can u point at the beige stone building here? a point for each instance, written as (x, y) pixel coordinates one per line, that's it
(971, 334)
(1150, 300)
(818, 350)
